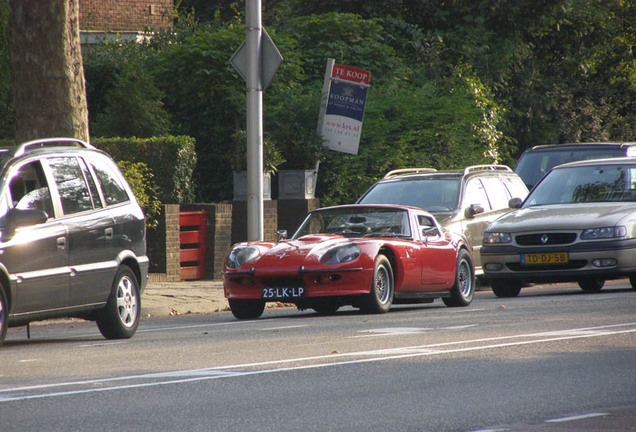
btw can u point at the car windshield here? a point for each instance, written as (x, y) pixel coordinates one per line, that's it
(533, 165)
(594, 183)
(357, 222)
(432, 194)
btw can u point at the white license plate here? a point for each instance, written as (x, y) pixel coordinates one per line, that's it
(283, 293)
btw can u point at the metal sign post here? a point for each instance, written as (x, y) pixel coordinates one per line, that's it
(256, 60)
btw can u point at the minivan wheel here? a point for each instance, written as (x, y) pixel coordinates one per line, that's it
(464, 288)
(4, 315)
(120, 318)
(591, 284)
(505, 288)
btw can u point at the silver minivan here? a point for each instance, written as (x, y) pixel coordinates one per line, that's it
(72, 238)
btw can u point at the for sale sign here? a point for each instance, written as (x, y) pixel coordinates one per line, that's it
(343, 105)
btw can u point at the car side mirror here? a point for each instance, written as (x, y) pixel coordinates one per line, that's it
(472, 210)
(282, 235)
(17, 218)
(515, 203)
(429, 231)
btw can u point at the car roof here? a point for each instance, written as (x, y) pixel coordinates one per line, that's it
(579, 146)
(432, 172)
(603, 161)
(384, 206)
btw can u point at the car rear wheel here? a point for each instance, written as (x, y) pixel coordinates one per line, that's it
(380, 299)
(464, 288)
(505, 288)
(120, 318)
(591, 284)
(246, 309)
(4, 315)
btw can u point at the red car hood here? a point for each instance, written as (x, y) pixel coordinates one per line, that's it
(304, 251)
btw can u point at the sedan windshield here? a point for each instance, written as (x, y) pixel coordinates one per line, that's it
(431, 194)
(356, 222)
(594, 183)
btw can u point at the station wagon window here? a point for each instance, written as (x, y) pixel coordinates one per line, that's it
(29, 190)
(112, 188)
(71, 185)
(475, 194)
(496, 191)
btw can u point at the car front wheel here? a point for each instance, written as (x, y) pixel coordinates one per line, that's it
(505, 288)
(380, 299)
(120, 318)
(246, 309)
(591, 284)
(464, 288)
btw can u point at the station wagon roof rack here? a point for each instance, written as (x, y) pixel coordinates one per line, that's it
(50, 142)
(487, 168)
(409, 171)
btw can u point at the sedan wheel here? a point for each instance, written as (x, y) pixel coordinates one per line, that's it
(464, 288)
(505, 288)
(120, 318)
(246, 309)
(591, 284)
(380, 299)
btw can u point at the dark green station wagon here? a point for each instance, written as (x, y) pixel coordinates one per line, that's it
(72, 238)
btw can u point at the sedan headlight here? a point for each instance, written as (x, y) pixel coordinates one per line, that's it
(497, 237)
(240, 255)
(341, 254)
(604, 233)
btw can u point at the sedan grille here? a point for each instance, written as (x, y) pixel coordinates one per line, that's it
(572, 265)
(545, 239)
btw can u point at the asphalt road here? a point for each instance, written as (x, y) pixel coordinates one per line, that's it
(553, 359)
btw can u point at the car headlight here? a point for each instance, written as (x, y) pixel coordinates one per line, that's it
(604, 233)
(497, 237)
(240, 255)
(341, 254)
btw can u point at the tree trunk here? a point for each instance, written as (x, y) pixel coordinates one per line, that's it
(49, 94)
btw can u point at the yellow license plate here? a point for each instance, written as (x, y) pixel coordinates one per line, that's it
(545, 258)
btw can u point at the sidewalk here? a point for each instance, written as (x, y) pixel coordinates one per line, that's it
(182, 298)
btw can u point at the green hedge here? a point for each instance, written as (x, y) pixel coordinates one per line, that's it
(170, 158)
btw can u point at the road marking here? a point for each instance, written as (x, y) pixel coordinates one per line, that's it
(284, 327)
(578, 417)
(204, 374)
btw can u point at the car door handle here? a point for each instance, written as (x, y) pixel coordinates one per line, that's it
(61, 242)
(108, 233)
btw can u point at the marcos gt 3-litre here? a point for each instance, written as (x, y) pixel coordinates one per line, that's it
(367, 256)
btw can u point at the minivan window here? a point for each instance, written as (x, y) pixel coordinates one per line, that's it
(71, 185)
(29, 189)
(114, 192)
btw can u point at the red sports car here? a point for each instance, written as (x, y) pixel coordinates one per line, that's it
(367, 256)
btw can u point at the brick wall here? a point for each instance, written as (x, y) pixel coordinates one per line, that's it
(227, 224)
(125, 15)
(163, 245)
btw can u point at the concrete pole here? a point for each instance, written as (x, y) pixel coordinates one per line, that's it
(255, 224)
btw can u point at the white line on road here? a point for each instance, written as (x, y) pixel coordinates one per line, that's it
(578, 417)
(375, 356)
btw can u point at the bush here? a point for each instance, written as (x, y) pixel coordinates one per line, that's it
(171, 160)
(141, 181)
